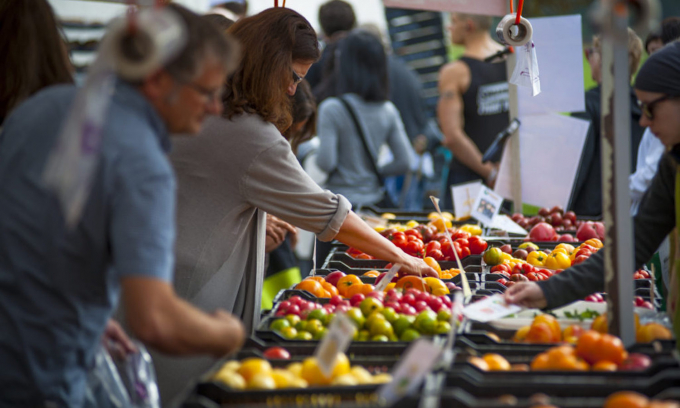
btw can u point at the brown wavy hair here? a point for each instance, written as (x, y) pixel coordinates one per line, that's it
(304, 110)
(271, 41)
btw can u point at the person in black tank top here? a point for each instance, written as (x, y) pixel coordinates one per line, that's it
(473, 105)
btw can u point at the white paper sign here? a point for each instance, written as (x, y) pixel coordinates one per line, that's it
(380, 287)
(491, 308)
(485, 7)
(411, 370)
(463, 197)
(336, 341)
(560, 47)
(550, 153)
(505, 223)
(486, 205)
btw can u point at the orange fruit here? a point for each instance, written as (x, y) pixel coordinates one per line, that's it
(610, 348)
(479, 363)
(366, 288)
(600, 324)
(372, 274)
(540, 333)
(521, 334)
(563, 358)
(432, 263)
(519, 367)
(587, 345)
(354, 290)
(540, 362)
(572, 331)
(317, 278)
(651, 332)
(346, 282)
(441, 224)
(328, 287)
(626, 399)
(311, 286)
(408, 282)
(496, 362)
(604, 366)
(552, 322)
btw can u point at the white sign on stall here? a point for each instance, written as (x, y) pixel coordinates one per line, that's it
(485, 7)
(559, 46)
(464, 196)
(486, 206)
(550, 153)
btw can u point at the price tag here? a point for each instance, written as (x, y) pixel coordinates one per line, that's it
(486, 206)
(463, 197)
(466, 286)
(410, 372)
(380, 287)
(491, 308)
(336, 341)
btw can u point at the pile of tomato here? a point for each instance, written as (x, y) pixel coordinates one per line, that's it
(522, 272)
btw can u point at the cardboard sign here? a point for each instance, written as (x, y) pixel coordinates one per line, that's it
(336, 341)
(486, 206)
(485, 7)
(463, 197)
(410, 372)
(491, 308)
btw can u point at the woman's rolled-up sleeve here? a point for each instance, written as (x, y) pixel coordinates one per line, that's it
(276, 183)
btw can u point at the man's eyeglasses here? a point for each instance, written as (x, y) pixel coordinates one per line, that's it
(648, 108)
(296, 78)
(210, 95)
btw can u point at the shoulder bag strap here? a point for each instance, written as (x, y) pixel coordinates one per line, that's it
(363, 139)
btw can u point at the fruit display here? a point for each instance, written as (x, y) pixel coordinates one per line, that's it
(629, 399)
(258, 374)
(393, 316)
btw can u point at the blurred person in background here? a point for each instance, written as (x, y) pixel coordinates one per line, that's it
(473, 102)
(232, 10)
(32, 58)
(587, 196)
(336, 18)
(657, 86)
(242, 168)
(59, 286)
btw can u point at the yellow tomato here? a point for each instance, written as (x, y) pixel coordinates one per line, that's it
(388, 216)
(252, 366)
(412, 224)
(313, 374)
(506, 257)
(472, 229)
(537, 258)
(594, 242)
(432, 263)
(379, 228)
(569, 248)
(436, 286)
(389, 286)
(441, 224)
(558, 260)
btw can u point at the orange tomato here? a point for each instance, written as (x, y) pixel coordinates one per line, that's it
(651, 332)
(496, 362)
(600, 324)
(346, 282)
(311, 286)
(432, 263)
(366, 288)
(540, 332)
(572, 331)
(317, 278)
(354, 290)
(610, 348)
(521, 334)
(372, 274)
(479, 363)
(626, 399)
(594, 242)
(663, 404)
(553, 323)
(586, 348)
(332, 290)
(540, 362)
(408, 282)
(605, 366)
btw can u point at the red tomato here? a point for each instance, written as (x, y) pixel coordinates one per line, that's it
(462, 242)
(364, 256)
(533, 277)
(446, 249)
(465, 252)
(460, 234)
(542, 275)
(276, 353)
(432, 245)
(436, 254)
(414, 233)
(503, 281)
(400, 242)
(501, 268)
(517, 270)
(477, 246)
(414, 247)
(579, 259)
(527, 268)
(546, 272)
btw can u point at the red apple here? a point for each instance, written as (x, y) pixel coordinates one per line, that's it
(542, 232)
(334, 277)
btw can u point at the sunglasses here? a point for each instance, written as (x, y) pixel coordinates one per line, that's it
(296, 78)
(648, 108)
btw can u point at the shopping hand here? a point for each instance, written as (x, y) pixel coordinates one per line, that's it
(526, 294)
(276, 232)
(116, 341)
(411, 265)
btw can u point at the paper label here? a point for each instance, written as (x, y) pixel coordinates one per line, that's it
(486, 206)
(505, 223)
(491, 308)
(336, 341)
(380, 287)
(463, 197)
(410, 372)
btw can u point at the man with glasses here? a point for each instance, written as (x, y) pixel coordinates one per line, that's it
(657, 87)
(59, 286)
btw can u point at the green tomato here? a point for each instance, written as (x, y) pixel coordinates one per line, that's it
(313, 326)
(401, 324)
(304, 335)
(426, 322)
(364, 335)
(381, 327)
(444, 315)
(409, 335)
(301, 326)
(380, 337)
(442, 328)
(292, 319)
(289, 333)
(356, 317)
(279, 324)
(320, 334)
(373, 317)
(318, 314)
(390, 314)
(492, 256)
